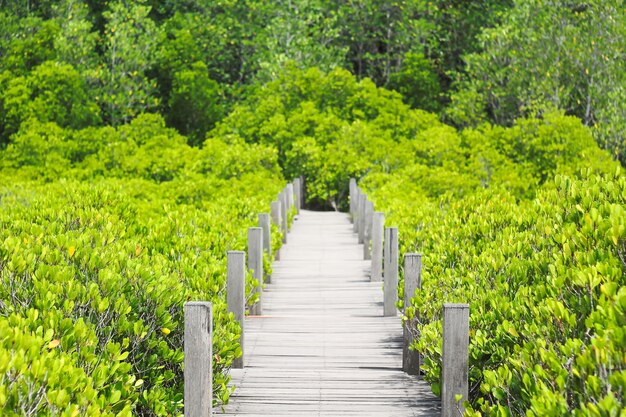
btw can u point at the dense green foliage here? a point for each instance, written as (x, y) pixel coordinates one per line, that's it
(470, 61)
(504, 217)
(98, 272)
(138, 140)
(545, 282)
(330, 127)
(567, 55)
(97, 261)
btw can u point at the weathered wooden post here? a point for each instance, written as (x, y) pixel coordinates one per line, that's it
(455, 359)
(198, 350)
(362, 204)
(412, 281)
(297, 189)
(352, 194)
(236, 293)
(255, 263)
(289, 196)
(275, 210)
(357, 200)
(264, 223)
(367, 233)
(391, 271)
(378, 230)
(284, 215)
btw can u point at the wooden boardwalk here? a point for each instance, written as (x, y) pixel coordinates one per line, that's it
(322, 346)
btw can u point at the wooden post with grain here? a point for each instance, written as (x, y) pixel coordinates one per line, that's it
(275, 211)
(297, 189)
(412, 282)
(255, 263)
(264, 223)
(355, 217)
(198, 351)
(352, 194)
(390, 271)
(367, 231)
(378, 230)
(289, 193)
(362, 205)
(236, 293)
(455, 359)
(283, 215)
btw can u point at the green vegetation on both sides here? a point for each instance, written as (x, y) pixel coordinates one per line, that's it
(140, 140)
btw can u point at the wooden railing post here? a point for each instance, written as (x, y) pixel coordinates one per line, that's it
(362, 204)
(412, 281)
(255, 263)
(355, 217)
(297, 189)
(289, 196)
(275, 210)
(455, 359)
(378, 230)
(357, 208)
(264, 223)
(367, 233)
(390, 271)
(198, 351)
(236, 293)
(352, 194)
(284, 214)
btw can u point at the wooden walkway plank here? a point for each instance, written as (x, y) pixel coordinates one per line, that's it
(322, 346)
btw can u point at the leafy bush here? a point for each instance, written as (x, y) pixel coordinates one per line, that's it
(547, 54)
(330, 127)
(103, 268)
(545, 282)
(417, 82)
(52, 92)
(194, 104)
(97, 262)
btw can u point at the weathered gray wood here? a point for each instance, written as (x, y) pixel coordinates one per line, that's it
(236, 293)
(321, 347)
(378, 230)
(276, 219)
(198, 358)
(290, 200)
(412, 281)
(264, 223)
(255, 264)
(297, 189)
(284, 215)
(275, 211)
(355, 217)
(362, 208)
(455, 359)
(390, 272)
(352, 194)
(367, 234)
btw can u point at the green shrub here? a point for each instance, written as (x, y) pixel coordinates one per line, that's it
(104, 235)
(417, 81)
(105, 267)
(545, 282)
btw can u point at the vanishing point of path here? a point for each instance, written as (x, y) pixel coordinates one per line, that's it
(322, 346)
